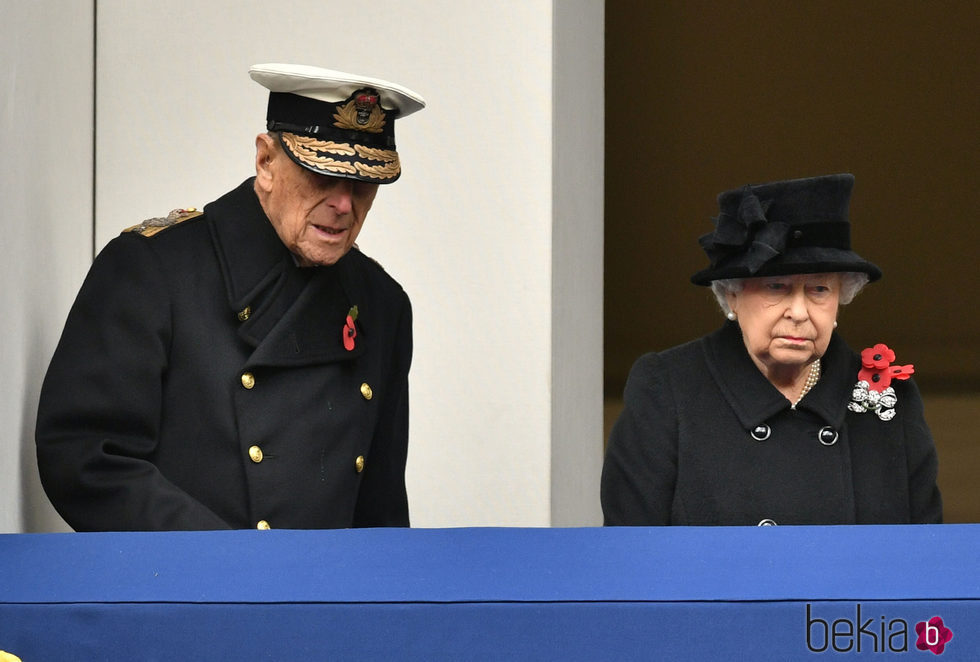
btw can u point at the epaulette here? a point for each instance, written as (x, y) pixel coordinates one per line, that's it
(151, 226)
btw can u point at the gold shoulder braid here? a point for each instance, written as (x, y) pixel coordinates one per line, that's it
(151, 226)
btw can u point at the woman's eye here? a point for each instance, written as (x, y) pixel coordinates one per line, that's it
(776, 287)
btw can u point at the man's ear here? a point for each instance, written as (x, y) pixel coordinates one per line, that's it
(265, 154)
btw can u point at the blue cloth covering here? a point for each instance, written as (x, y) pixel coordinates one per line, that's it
(614, 593)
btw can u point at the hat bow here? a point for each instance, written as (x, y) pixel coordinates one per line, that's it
(747, 232)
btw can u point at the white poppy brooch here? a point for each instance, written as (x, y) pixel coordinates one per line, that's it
(874, 391)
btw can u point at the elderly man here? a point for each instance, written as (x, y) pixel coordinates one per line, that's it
(245, 366)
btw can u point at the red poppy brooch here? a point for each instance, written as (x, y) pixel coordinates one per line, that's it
(874, 391)
(350, 331)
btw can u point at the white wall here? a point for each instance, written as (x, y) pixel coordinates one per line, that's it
(494, 229)
(45, 220)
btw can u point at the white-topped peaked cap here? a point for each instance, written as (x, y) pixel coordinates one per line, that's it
(336, 123)
(333, 86)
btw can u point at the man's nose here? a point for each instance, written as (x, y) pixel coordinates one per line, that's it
(341, 196)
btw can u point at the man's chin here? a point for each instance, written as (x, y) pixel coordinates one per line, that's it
(319, 258)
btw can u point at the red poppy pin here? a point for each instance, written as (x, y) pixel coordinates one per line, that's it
(350, 331)
(874, 391)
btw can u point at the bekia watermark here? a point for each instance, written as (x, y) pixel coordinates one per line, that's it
(933, 635)
(878, 634)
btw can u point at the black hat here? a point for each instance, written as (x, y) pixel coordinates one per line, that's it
(796, 226)
(334, 123)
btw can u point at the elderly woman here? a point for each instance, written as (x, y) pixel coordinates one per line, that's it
(772, 419)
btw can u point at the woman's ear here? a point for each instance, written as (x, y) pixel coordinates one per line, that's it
(731, 298)
(265, 155)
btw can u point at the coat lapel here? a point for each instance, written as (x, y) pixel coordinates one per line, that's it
(829, 398)
(251, 256)
(311, 330)
(754, 400)
(289, 315)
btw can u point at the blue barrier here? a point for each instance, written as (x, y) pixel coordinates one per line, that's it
(493, 594)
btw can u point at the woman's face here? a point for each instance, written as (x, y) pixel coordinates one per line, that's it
(787, 321)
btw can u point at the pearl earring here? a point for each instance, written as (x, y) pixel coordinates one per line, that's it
(835, 324)
(731, 315)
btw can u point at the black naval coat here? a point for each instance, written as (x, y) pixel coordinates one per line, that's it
(202, 382)
(706, 439)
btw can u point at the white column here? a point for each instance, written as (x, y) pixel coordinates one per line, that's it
(577, 260)
(45, 219)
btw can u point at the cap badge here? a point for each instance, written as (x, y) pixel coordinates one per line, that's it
(361, 112)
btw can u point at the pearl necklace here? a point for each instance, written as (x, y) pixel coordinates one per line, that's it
(811, 381)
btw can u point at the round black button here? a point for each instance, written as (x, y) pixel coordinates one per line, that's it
(827, 436)
(761, 432)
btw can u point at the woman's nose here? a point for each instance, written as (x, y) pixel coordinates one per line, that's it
(796, 306)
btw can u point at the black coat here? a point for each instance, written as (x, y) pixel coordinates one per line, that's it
(145, 421)
(682, 451)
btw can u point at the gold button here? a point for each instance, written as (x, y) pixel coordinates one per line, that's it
(359, 463)
(245, 314)
(366, 391)
(248, 380)
(263, 525)
(255, 453)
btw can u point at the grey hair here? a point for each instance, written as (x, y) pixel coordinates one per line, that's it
(851, 283)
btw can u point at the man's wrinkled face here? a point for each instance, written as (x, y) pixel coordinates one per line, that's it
(317, 217)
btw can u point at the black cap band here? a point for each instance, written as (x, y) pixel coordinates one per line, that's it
(296, 114)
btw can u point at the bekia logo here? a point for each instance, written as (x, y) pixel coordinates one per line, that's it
(933, 635)
(878, 635)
